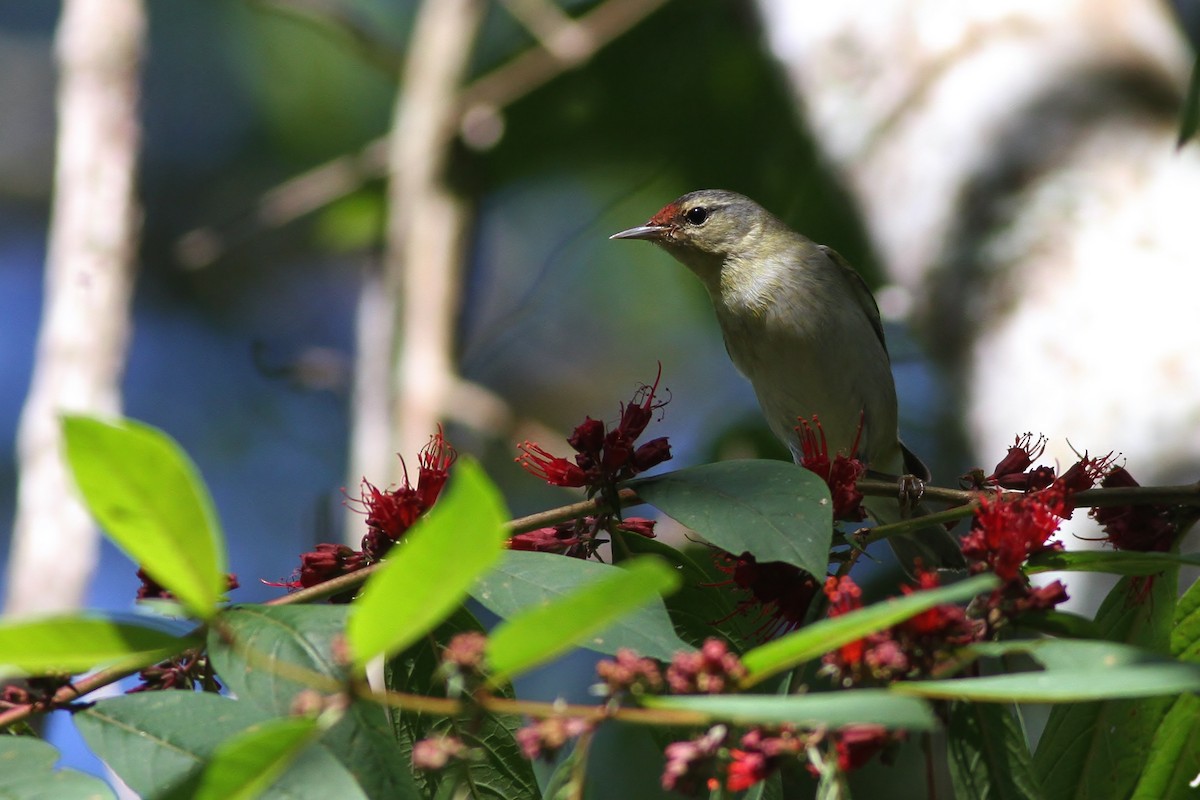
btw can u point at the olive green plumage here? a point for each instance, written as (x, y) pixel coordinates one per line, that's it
(803, 327)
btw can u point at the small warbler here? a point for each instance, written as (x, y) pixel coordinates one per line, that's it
(803, 327)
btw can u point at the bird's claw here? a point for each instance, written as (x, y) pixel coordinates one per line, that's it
(911, 489)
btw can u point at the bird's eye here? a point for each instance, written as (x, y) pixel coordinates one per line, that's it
(697, 215)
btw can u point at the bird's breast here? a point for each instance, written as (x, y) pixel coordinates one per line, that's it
(817, 364)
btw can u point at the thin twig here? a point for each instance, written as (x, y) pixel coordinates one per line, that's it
(328, 182)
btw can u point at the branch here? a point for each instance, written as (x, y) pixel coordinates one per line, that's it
(326, 183)
(85, 325)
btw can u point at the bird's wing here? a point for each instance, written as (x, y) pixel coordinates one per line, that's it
(862, 293)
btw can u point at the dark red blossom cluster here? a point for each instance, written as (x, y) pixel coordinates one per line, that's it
(188, 672)
(38, 692)
(464, 653)
(760, 753)
(855, 745)
(545, 737)
(911, 649)
(1147, 528)
(603, 457)
(629, 674)
(389, 514)
(579, 538)
(708, 761)
(713, 669)
(1005, 532)
(1009, 528)
(777, 592)
(841, 473)
(437, 752)
(1017, 471)
(151, 589)
(715, 759)
(692, 765)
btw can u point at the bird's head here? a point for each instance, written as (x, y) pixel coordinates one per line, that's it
(704, 229)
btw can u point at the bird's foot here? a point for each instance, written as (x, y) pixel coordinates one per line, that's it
(911, 489)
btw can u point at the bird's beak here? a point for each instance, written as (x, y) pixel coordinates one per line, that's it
(650, 232)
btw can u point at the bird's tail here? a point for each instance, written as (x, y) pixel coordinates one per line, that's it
(932, 546)
(935, 546)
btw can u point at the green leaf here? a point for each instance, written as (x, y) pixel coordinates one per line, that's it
(530, 580)
(245, 765)
(567, 782)
(1184, 641)
(71, 643)
(27, 773)
(501, 772)
(1096, 750)
(159, 743)
(1059, 623)
(541, 633)
(148, 496)
(1116, 562)
(706, 604)
(1075, 670)
(821, 637)
(266, 655)
(832, 709)
(1189, 118)
(1173, 758)
(429, 573)
(989, 756)
(775, 510)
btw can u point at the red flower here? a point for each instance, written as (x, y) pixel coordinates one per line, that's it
(777, 591)
(713, 669)
(1148, 528)
(943, 620)
(544, 738)
(437, 752)
(152, 589)
(629, 673)
(844, 597)
(435, 460)
(691, 765)
(325, 562)
(759, 755)
(391, 512)
(856, 744)
(637, 415)
(552, 469)
(638, 525)
(841, 474)
(1081, 475)
(650, 454)
(1007, 531)
(1011, 472)
(576, 538)
(914, 648)
(603, 457)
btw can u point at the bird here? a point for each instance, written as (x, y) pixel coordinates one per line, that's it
(803, 327)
